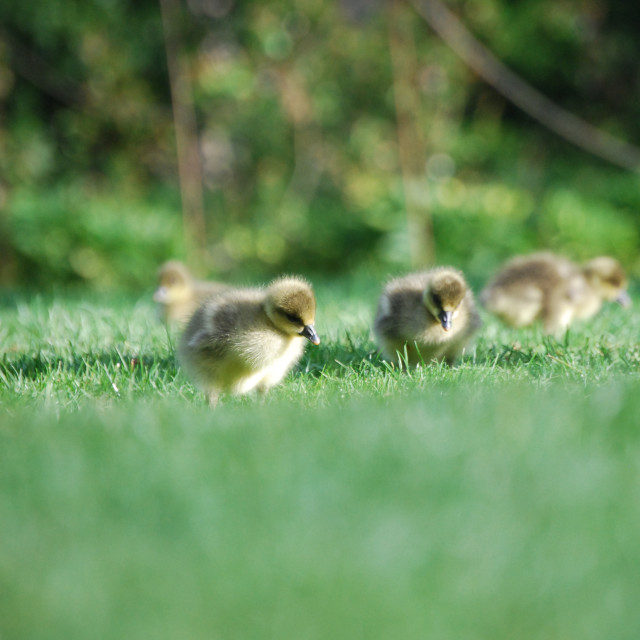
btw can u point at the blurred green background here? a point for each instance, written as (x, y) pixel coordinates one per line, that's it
(254, 137)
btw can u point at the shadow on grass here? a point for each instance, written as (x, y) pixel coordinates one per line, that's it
(336, 357)
(537, 356)
(42, 364)
(346, 357)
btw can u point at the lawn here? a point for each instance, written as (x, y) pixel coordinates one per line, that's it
(498, 499)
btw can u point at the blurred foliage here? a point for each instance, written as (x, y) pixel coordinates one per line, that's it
(297, 130)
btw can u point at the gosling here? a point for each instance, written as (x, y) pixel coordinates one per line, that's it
(607, 282)
(249, 338)
(550, 288)
(431, 315)
(179, 294)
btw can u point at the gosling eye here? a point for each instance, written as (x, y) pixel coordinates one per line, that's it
(293, 318)
(437, 301)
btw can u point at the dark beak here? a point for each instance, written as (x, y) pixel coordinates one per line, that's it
(445, 319)
(310, 334)
(623, 299)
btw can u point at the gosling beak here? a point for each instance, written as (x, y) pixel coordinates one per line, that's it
(623, 299)
(160, 294)
(445, 319)
(310, 334)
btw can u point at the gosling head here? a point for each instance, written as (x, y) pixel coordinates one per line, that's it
(174, 282)
(443, 297)
(607, 278)
(291, 305)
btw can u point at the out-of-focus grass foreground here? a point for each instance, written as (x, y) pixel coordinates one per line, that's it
(346, 141)
(499, 498)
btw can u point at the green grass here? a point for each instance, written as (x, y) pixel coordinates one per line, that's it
(497, 499)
